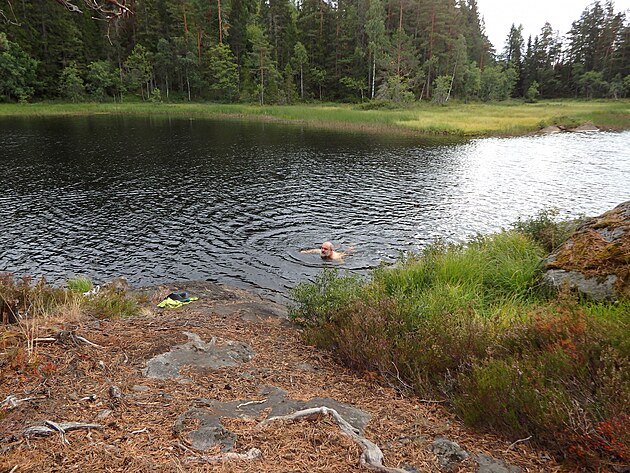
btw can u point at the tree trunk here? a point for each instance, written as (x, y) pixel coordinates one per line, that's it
(302, 81)
(373, 75)
(220, 22)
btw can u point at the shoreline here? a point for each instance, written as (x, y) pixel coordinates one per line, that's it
(423, 120)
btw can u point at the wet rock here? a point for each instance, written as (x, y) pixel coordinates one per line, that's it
(448, 453)
(595, 260)
(197, 353)
(487, 464)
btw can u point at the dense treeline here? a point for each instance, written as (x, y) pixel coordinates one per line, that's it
(277, 51)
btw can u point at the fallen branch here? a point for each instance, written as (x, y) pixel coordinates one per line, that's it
(517, 442)
(65, 337)
(62, 427)
(371, 456)
(11, 402)
(251, 454)
(243, 404)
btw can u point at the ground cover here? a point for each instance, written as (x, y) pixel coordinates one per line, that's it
(94, 374)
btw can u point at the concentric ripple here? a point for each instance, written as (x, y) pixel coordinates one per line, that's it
(160, 200)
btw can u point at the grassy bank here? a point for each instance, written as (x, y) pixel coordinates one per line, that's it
(469, 325)
(510, 118)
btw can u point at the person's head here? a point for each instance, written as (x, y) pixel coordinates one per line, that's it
(327, 250)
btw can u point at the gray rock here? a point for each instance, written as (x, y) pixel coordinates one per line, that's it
(586, 127)
(487, 464)
(210, 431)
(448, 453)
(197, 353)
(596, 288)
(550, 130)
(595, 259)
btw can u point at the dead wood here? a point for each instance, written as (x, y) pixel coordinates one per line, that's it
(66, 337)
(371, 456)
(61, 427)
(251, 454)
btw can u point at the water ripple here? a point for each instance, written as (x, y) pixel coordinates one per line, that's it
(235, 203)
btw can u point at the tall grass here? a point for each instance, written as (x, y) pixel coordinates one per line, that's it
(469, 324)
(475, 119)
(28, 305)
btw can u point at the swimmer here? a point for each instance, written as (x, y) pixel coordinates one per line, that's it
(327, 252)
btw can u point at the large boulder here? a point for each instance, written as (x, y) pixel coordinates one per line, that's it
(595, 260)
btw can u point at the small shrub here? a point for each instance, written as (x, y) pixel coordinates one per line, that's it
(545, 230)
(112, 304)
(318, 301)
(79, 284)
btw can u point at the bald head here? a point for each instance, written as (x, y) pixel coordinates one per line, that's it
(327, 250)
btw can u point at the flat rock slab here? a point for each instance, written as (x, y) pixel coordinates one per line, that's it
(252, 311)
(487, 464)
(210, 431)
(197, 353)
(276, 399)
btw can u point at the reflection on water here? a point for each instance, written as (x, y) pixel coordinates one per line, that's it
(159, 200)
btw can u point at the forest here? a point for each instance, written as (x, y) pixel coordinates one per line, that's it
(283, 52)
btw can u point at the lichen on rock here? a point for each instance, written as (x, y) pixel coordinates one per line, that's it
(595, 260)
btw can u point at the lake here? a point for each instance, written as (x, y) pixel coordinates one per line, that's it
(160, 200)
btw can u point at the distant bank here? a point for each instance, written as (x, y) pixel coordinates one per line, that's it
(457, 119)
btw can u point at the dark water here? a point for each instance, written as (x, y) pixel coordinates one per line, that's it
(159, 200)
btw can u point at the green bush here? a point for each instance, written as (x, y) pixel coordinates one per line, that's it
(79, 284)
(545, 230)
(467, 323)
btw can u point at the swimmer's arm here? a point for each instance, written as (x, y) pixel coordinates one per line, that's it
(312, 250)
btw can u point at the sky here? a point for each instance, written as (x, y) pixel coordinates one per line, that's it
(532, 14)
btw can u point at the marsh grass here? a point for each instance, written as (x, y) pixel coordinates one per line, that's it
(470, 324)
(473, 119)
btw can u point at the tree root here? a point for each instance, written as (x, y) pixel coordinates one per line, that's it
(371, 456)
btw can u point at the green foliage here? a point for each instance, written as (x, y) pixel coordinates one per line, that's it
(79, 284)
(109, 304)
(138, 71)
(467, 322)
(318, 301)
(395, 89)
(354, 85)
(71, 85)
(222, 74)
(101, 80)
(17, 72)
(532, 93)
(544, 229)
(497, 83)
(593, 84)
(442, 86)
(155, 96)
